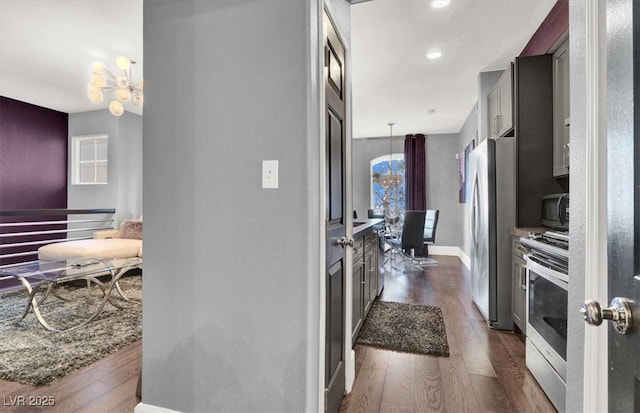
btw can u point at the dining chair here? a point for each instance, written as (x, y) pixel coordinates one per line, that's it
(411, 242)
(430, 225)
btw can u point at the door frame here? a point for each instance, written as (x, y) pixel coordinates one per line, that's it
(349, 356)
(595, 234)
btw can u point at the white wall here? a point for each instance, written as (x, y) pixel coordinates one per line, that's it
(231, 305)
(124, 190)
(577, 179)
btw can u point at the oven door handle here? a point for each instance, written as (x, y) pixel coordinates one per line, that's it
(559, 279)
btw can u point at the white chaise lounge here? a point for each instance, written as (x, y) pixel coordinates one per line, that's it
(121, 243)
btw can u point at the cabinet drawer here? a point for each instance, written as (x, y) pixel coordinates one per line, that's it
(370, 241)
(358, 248)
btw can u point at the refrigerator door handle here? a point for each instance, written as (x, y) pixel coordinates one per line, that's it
(474, 211)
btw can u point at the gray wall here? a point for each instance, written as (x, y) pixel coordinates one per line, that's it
(442, 188)
(441, 180)
(468, 133)
(231, 300)
(577, 179)
(124, 190)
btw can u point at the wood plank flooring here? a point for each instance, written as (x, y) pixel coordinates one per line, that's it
(485, 372)
(486, 369)
(109, 385)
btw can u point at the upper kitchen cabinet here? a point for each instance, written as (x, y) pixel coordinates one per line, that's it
(500, 105)
(561, 119)
(533, 80)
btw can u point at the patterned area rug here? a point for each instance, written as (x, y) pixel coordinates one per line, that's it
(408, 328)
(30, 354)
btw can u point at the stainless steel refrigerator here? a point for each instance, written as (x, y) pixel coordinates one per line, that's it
(493, 183)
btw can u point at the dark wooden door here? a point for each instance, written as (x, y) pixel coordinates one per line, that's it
(623, 209)
(335, 212)
(624, 200)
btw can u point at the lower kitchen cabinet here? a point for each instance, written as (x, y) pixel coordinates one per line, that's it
(519, 286)
(371, 268)
(357, 314)
(365, 278)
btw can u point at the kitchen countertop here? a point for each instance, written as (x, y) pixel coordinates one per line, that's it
(524, 231)
(363, 226)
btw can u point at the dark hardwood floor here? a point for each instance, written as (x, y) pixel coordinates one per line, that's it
(109, 385)
(486, 369)
(485, 372)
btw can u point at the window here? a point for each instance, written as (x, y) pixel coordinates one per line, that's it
(390, 197)
(90, 160)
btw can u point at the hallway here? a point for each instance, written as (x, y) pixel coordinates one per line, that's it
(486, 371)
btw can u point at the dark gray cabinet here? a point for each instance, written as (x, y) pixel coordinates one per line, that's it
(519, 286)
(533, 130)
(371, 267)
(357, 315)
(365, 277)
(561, 120)
(500, 105)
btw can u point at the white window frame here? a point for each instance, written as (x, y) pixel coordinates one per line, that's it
(76, 161)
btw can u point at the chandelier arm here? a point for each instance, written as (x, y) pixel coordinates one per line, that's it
(110, 86)
(108, 72)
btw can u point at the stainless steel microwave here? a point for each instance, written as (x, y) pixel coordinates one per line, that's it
(555, 211)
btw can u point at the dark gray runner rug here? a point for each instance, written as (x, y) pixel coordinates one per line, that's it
(30, 354)
(409, 328)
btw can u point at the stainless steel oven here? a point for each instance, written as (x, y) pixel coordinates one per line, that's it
(547, 285)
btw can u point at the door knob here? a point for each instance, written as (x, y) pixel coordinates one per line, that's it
(619, 313)
(344, 241)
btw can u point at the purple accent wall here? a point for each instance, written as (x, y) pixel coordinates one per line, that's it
(33, 156)
(552, 28)
(33, 169)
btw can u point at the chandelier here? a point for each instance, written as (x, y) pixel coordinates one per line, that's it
(120, 83)
(391, 179)
(391, 182)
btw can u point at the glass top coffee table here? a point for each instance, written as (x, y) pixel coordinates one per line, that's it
(45, 276)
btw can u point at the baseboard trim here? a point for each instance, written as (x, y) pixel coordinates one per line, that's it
(465, 259)
(149, 408)
(453, 251)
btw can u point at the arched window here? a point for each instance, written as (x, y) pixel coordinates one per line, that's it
(388, 194)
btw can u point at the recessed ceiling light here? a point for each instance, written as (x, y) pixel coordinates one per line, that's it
(434, 54)
(438, 4)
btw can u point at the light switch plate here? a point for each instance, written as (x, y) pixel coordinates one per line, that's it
(270, 174)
